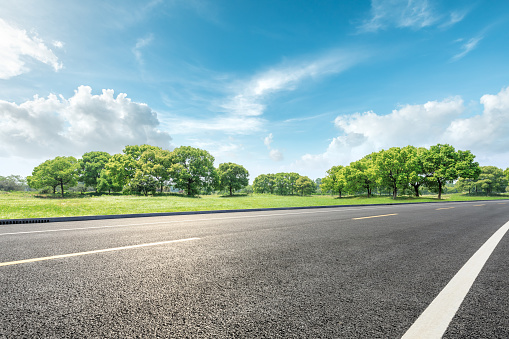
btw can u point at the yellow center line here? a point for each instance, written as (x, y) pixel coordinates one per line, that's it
(444, 208)
(479, 205)
(502, 203)
(375, 216)
(91, 252)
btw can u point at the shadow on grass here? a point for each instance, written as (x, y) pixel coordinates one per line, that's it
(238, 195)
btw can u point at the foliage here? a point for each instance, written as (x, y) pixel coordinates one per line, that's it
(232, 177)
(264, 183)
(13, 183)
(361, 175)
(335, 180)
(305, 185)
(393, 167)
(91, 165)
(56, 172)
(192, 169)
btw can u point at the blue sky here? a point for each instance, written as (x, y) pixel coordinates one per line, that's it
(273, 85)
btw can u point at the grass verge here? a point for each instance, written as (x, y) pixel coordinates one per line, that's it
(17, 205)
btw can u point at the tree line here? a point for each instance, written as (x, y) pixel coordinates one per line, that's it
(141, 169)
(284, 184)
(400, 169)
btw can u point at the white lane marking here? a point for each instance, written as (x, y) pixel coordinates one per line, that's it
(92, 252)
(435, 319)
(375, 216)
(186, 220)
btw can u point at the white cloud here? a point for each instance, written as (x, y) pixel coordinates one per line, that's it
(16, 45)
(241, 111)
(485, 133)
(467, 48)
(400, 13)
(268, 140)
(141, 43)
(250, 96)
(276, 155)
(422, 126)
(82, 123)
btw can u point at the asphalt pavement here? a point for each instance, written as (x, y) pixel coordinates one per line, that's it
(356, 272)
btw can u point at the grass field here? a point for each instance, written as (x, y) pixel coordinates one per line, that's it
(16, 205)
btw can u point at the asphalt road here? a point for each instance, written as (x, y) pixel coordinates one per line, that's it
(320, 273)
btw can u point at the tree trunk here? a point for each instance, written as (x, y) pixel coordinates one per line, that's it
(340, 194)
(62, 188)
(369, 193)
(439, 190)
(231, 191)
(416, 187)
(394, 192)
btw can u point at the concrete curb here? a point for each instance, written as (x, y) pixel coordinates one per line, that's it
(164, 214)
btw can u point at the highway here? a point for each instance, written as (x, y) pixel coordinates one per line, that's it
(350, 272)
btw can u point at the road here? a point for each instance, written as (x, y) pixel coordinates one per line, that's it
(352, 272)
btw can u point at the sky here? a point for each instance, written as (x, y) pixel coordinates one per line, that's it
(276, 86)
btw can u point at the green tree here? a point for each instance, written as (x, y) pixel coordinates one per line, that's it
(12, 183)
(492, 179)
(335, 180)
(442, 165)
(392, 167)
(361, 175)
(415, 170)
(155, 163)
(232, 177)
(192, 169)
(305, 185)
(91, 165)
(264, 183)
(56, 172)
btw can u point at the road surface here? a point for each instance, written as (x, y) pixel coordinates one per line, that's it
(351, 272)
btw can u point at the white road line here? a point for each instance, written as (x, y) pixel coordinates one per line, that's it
(435, 319)
(10, 263)
(187, 220)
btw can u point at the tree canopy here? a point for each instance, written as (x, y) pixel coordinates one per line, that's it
(232, 177)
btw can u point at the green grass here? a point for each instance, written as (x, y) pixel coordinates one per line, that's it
(16, 205)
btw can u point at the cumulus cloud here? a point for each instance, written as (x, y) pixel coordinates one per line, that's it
(85, 122)
(16, 45)
(423, 125)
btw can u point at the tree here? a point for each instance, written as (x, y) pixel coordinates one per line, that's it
(232, 176)
(361, 175)
(264, 183)
(155, 163)
(12, 183)
(442, 165)
(192, 169)
(56, 172)
(334, 181)
(91, 165)
(492, 179)
(415, 171)
(305, 185)
(392, 167)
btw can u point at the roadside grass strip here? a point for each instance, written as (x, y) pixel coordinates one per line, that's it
(25, 261)
(435, 319)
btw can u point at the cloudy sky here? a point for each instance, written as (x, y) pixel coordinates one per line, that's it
(272, 85)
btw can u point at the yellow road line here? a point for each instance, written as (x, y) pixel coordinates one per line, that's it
(445, 208)
(502, 203)
(479, 205)
(375, 216)
(91, 252)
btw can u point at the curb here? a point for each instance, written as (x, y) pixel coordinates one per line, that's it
(165, 214)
